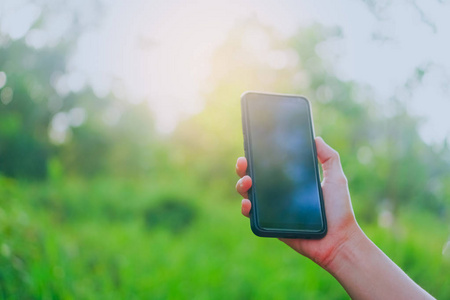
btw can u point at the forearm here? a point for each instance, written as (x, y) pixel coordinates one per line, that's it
(367, 273)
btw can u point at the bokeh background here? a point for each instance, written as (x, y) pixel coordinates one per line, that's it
(120, 127)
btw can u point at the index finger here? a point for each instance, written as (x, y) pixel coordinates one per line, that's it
(241, 166)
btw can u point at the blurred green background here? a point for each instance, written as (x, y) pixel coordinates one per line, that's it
(96, 202)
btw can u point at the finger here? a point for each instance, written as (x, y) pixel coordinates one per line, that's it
(241, 166)
(246, 205)
(243, 185)
(331, 163)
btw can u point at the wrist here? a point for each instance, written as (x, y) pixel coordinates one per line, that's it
(366, 272)
(347, 250)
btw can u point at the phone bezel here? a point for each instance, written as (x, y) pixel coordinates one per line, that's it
(255, 226)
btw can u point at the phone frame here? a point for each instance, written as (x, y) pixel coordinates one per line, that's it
(256, 228)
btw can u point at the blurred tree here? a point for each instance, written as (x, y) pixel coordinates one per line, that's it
(386, 162)
(70, 237)
(46, 111)
(24, 118)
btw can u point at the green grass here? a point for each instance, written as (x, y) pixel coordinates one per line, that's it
(104, 238)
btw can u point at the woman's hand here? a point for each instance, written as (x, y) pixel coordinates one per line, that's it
(363, 270)
(342, 226)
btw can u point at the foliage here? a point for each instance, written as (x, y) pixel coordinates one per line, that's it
(107, 208)
(92, 240)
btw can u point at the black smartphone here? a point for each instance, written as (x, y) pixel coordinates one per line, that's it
(286, 194)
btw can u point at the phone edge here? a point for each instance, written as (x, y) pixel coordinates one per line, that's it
(256, 229)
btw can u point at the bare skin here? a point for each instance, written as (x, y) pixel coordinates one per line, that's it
(346, 252)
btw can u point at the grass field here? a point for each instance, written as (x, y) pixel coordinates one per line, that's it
(154, 239)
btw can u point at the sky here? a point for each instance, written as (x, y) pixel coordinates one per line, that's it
(381, 47)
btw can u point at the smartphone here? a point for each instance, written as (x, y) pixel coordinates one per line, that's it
(286, 194)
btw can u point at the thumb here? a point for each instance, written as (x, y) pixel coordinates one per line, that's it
(331, 163)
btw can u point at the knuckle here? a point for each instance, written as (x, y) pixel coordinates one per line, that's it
(342, 179)
(335, 155)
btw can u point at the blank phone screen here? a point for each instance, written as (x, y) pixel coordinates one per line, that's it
(285, 180)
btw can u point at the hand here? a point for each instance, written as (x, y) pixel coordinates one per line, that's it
(342, 226)
(363, 270)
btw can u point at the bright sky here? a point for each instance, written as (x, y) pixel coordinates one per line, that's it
(161, 49)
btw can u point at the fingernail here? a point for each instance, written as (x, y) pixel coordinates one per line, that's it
(241, 183)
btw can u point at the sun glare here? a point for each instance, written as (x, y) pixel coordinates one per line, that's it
(160, 52)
